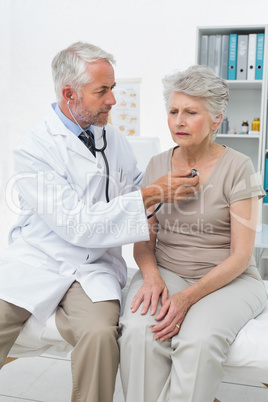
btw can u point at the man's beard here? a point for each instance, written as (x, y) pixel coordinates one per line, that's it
(86, 118)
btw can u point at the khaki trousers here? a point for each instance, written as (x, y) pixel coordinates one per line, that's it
(187, 368)
(12, 320)
(92, 329)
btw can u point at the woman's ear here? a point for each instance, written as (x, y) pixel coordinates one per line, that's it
(217, 122)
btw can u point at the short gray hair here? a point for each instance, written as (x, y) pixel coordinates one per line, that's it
(69, 66)
(201, 82)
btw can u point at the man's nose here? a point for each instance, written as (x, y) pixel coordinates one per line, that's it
(110, 100)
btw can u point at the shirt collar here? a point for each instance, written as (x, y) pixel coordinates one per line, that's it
(73, 127)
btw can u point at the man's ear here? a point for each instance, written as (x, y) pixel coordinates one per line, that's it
(68, 93)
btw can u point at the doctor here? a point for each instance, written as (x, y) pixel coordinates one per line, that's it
(64, 250)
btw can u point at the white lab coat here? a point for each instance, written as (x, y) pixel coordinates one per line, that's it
(66, 230)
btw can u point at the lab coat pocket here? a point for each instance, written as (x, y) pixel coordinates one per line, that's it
(118, 182)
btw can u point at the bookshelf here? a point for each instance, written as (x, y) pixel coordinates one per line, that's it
(248, 98)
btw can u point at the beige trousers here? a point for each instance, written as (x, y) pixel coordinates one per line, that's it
(187, 368)
(12, 320)
(92, 329)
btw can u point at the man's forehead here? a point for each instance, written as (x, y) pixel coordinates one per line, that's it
(99, 67)
(102, 74)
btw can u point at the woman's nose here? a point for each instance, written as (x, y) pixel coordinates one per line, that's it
(180, 120)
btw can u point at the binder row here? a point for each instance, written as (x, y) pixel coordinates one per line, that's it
(234, 56)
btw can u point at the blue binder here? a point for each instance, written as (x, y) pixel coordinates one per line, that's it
(232, 57)
(259, 56)
(266, 178)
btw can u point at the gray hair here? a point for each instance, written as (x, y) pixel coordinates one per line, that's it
(69, 66)
(201, 82)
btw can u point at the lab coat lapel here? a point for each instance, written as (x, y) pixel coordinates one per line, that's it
(72, 142)
(76, 145)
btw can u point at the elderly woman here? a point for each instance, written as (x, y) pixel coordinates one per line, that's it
(198, 284)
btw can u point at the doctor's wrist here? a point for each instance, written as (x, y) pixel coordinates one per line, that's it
(150, 196)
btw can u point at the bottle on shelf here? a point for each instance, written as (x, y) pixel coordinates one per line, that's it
(245, 127)
(256, 124)
(225, 125)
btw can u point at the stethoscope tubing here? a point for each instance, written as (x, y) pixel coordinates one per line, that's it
(101, 150)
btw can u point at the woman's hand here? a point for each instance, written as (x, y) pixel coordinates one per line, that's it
(171, 314)
(152, 289)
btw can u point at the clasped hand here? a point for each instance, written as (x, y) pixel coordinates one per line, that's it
(173, 309)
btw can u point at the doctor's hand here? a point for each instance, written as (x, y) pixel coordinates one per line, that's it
(171, 315)
(149, 293)
(171, 188)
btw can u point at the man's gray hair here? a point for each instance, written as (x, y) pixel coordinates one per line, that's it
(201, 82)
(69, 66)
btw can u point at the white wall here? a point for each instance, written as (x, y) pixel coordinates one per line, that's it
(149, 38)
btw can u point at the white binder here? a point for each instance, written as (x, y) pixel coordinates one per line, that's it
(251, 56)
(224, 57)
(211, 51)
(204, 50)
(217, 58)
(242, 57)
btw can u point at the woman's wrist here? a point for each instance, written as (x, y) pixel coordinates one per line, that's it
(150, 273)
(191, 294)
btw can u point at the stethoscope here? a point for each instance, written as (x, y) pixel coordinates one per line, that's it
(101, 150)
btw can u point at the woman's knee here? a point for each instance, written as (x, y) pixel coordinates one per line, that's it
(136, 328)
(204, 343)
